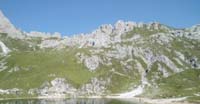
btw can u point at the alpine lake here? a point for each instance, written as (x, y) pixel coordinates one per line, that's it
(69, 101)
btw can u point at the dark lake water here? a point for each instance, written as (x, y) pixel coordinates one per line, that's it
(67, 101)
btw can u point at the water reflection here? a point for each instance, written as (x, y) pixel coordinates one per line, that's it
(65, 101)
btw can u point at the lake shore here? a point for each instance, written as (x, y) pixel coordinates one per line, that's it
(158, 101)
(133, 99)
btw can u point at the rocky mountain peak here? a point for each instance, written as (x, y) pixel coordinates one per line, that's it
(121, 26)
(107, 28)
(7, 27)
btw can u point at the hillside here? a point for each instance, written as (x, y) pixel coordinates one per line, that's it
(145, 59)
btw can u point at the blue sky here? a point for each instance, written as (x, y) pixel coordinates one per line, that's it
(82, 16)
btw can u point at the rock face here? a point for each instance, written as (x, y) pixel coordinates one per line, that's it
(13, 91)
(60, 88)
(43, 35)
(4, 49)
(92, 63)
(7, 27)
(50, 43)
(57, 88)
(121, 27)
(95, 87)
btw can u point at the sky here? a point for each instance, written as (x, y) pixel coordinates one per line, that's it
(83, 16)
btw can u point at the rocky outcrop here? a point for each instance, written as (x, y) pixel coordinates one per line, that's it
(121, 27)
(14, 69)
(193, 32)
(163, 70)
(14, 91)
(92, 62)
(95, 87)
(50, 43)
(43, 35)
(57, 88)
(7, 27)
(119, 52)
(60, 88)
(162, 38)
(5, 50)
(194, 62)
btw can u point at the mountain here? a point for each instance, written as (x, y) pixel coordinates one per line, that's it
(7, 27)
(126, 59)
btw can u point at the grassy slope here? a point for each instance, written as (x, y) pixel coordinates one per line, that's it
(186, 83)
(39, 66)
(182, 84)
